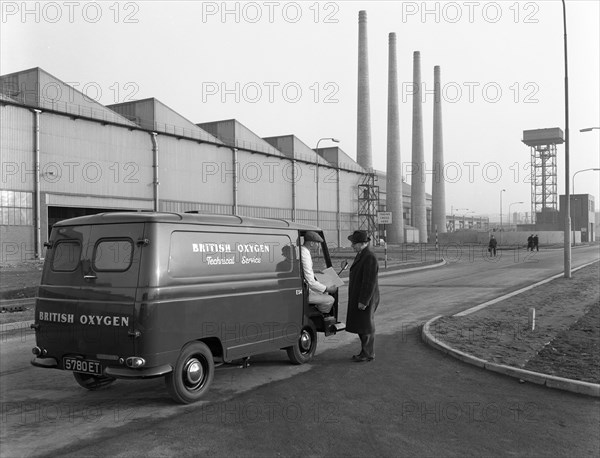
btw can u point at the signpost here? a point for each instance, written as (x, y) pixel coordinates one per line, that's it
(384, 218)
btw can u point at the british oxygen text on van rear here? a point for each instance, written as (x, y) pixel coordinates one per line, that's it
(56, 317)
(92, 320)
(98, 320)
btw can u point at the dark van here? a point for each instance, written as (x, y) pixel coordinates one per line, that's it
(141, 295)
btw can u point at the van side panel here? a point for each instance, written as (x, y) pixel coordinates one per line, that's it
(241, 286)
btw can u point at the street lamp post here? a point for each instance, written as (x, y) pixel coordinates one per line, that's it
(579, 171)
(504, 190)
(510, 205)
(567, 222)
(335, 140)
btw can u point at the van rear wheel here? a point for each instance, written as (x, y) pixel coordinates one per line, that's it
(304, 348)
(192, 375)
(92, 382)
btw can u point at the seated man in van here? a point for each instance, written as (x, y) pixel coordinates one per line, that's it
(318, 293)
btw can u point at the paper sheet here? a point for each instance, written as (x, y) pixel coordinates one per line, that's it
(329, 277)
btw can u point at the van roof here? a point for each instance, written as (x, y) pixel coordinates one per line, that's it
(184, 218)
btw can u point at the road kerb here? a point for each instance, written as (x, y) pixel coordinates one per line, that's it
(550, 381)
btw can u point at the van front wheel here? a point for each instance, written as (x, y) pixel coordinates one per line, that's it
(304, 348)
(192, 375)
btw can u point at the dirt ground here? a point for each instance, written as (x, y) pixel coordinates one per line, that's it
(20, 279)
(564, 342)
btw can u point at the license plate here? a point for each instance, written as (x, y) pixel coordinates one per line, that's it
(82, 365)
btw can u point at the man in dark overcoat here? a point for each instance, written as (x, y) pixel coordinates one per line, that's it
(363, 295)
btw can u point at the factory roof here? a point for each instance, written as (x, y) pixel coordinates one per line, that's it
(39, 89)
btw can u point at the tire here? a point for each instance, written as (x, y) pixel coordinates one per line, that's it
(192, 375)
(93, 382)
(304, 348)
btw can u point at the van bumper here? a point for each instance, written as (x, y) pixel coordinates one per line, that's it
(125, 372)
(49, 363)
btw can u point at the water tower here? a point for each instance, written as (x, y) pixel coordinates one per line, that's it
(544, 196)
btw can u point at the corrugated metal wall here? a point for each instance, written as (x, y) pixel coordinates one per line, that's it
(16, 148)
(87, 157)
(261, 181)
(328, 199)
(189, 171)
(306, 185)
(349, 192)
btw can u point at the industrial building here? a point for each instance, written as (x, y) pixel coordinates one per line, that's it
(144, 156)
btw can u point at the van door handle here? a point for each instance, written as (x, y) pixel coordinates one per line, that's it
(89, 277)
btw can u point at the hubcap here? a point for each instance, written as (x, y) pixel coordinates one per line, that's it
(194, 372)
(305, 341)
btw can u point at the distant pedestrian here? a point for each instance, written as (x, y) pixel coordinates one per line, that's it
(363, 295)
(536, 242)
(492, 246)
(530, 243)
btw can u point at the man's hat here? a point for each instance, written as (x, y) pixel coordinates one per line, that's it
(359, 237)
(312, 236)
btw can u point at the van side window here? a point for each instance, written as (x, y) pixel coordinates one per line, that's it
(66, 255)
(114, 255)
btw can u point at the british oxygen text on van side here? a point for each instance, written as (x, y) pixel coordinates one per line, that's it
(211, 247)
(226, 248)
(91, 320)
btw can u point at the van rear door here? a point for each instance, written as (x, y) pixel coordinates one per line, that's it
(86, 301)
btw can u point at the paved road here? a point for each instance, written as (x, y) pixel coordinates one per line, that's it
(410, 401)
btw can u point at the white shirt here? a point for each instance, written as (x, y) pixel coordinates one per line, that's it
(309, 275)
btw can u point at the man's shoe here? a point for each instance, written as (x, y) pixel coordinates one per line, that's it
(357, 357)
(362, 359)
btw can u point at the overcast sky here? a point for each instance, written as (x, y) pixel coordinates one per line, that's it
(291, 67)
